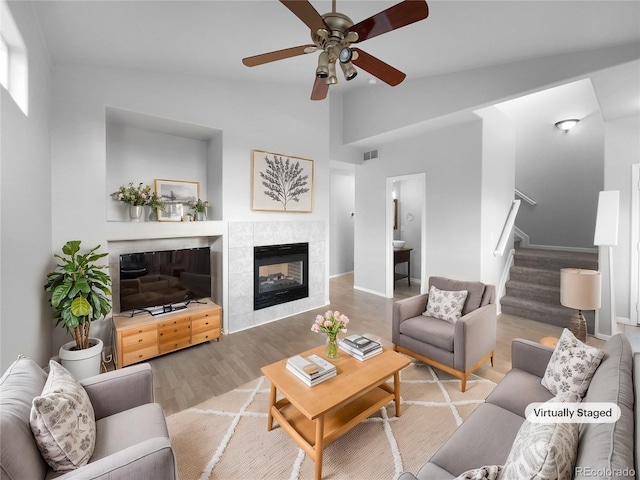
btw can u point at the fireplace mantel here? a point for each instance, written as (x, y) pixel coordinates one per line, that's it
(147, 230)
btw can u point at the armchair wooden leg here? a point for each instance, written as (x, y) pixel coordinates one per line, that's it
(492, 353)
(463, 382)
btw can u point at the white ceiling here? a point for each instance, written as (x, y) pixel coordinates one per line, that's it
(209, 38)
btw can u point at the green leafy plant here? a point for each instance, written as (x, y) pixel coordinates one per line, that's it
(199, 206)
(155, 202)
(79, 291)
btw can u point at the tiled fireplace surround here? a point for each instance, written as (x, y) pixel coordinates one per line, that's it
(243, 236)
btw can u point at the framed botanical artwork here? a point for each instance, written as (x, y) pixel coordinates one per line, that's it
(174, 194)
(281, 183)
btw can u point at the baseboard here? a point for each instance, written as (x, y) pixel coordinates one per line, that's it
(563, 249)
(337, 275)
(366, 290)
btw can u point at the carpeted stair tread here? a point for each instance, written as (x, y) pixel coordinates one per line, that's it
(539, 311)
(531, 291)
(555, 259)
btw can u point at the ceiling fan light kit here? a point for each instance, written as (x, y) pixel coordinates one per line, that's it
(333, 33)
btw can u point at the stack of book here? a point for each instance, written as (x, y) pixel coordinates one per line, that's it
(360, 347)
(312, 370)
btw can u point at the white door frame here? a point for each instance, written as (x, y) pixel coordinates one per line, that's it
(634, 281)
(422, 177)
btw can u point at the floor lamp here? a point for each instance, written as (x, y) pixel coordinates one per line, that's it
(606, 235)
(579, 289)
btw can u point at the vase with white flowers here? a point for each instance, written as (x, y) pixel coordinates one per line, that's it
(135, 196)
(331, 324)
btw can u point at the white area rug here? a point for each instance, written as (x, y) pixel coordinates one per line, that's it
(226, 437)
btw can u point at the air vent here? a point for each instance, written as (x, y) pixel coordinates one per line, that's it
(370, 155)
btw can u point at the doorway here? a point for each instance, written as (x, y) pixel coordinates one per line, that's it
(406, 221)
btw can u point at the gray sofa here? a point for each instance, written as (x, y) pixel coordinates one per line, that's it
(605, 450)
(132, 441)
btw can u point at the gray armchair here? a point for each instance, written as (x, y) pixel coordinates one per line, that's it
(132, 440)
(457, 348)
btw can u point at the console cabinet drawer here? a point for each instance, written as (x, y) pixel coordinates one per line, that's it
(205, 336)
(205, 323)
(139, 354)
(140, 337)
(174, 344)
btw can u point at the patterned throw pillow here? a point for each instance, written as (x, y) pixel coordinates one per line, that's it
(63, 422)
(543, 451)
(445, 305)
(571, 366)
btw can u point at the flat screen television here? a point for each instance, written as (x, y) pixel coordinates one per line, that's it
(163, 281)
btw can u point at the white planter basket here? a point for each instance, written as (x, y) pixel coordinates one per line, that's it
(82, 363)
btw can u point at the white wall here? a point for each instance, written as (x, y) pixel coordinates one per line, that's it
(25, 206)
(277, 118)
(498, 177)
(367, 111)
(451, 160)
(563, 173)
(342, 223)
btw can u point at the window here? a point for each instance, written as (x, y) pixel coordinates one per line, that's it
(14, 67)
(4, 63)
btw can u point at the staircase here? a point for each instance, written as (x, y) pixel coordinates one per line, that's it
(533, 290)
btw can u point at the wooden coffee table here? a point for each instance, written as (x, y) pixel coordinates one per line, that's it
(316, 416)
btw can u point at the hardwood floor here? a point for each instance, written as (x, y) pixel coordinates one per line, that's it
(185, 378)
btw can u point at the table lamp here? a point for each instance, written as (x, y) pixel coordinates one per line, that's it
(579, 289)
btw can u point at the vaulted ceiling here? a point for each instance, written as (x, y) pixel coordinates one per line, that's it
(209, 38)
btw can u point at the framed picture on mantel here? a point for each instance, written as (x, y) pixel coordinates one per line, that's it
(281, 183)
(174, 194)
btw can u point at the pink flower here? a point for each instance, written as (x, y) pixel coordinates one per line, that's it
(344, 330)
(319, 319)
(328, 323)
(344, 319)
(314, 328)
(336, 314)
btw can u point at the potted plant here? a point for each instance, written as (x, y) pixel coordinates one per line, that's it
(200, 207)
(156, 205)
(79, 294)
(135, 196)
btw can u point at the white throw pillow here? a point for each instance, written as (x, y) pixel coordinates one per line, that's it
(445, 305)
(63, 422)
(543, 451)
(571, 366)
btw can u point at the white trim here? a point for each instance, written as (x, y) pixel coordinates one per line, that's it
(509, 223)
(501, 288)
(390, 277)
(372, 292)
(527, 199)
(634, 282)
(524, 243)
(524, 238)
(337, 275)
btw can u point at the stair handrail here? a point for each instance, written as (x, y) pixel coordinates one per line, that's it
(524, 197)
(507, 229)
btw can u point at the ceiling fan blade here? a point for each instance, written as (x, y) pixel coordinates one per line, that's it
(278, 55)
(400, 15)
(305, 12)
(320, 89)
(378, 68)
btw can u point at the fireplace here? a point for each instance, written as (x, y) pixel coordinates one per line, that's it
(281, 274)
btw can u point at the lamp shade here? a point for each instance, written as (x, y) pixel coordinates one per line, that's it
(580, 289)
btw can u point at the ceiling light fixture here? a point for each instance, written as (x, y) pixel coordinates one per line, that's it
(323, 65)
(566, 125)
(349, 71)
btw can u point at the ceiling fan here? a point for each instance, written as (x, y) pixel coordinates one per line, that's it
(333, 33)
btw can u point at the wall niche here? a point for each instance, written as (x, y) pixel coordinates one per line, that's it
(142, 148)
